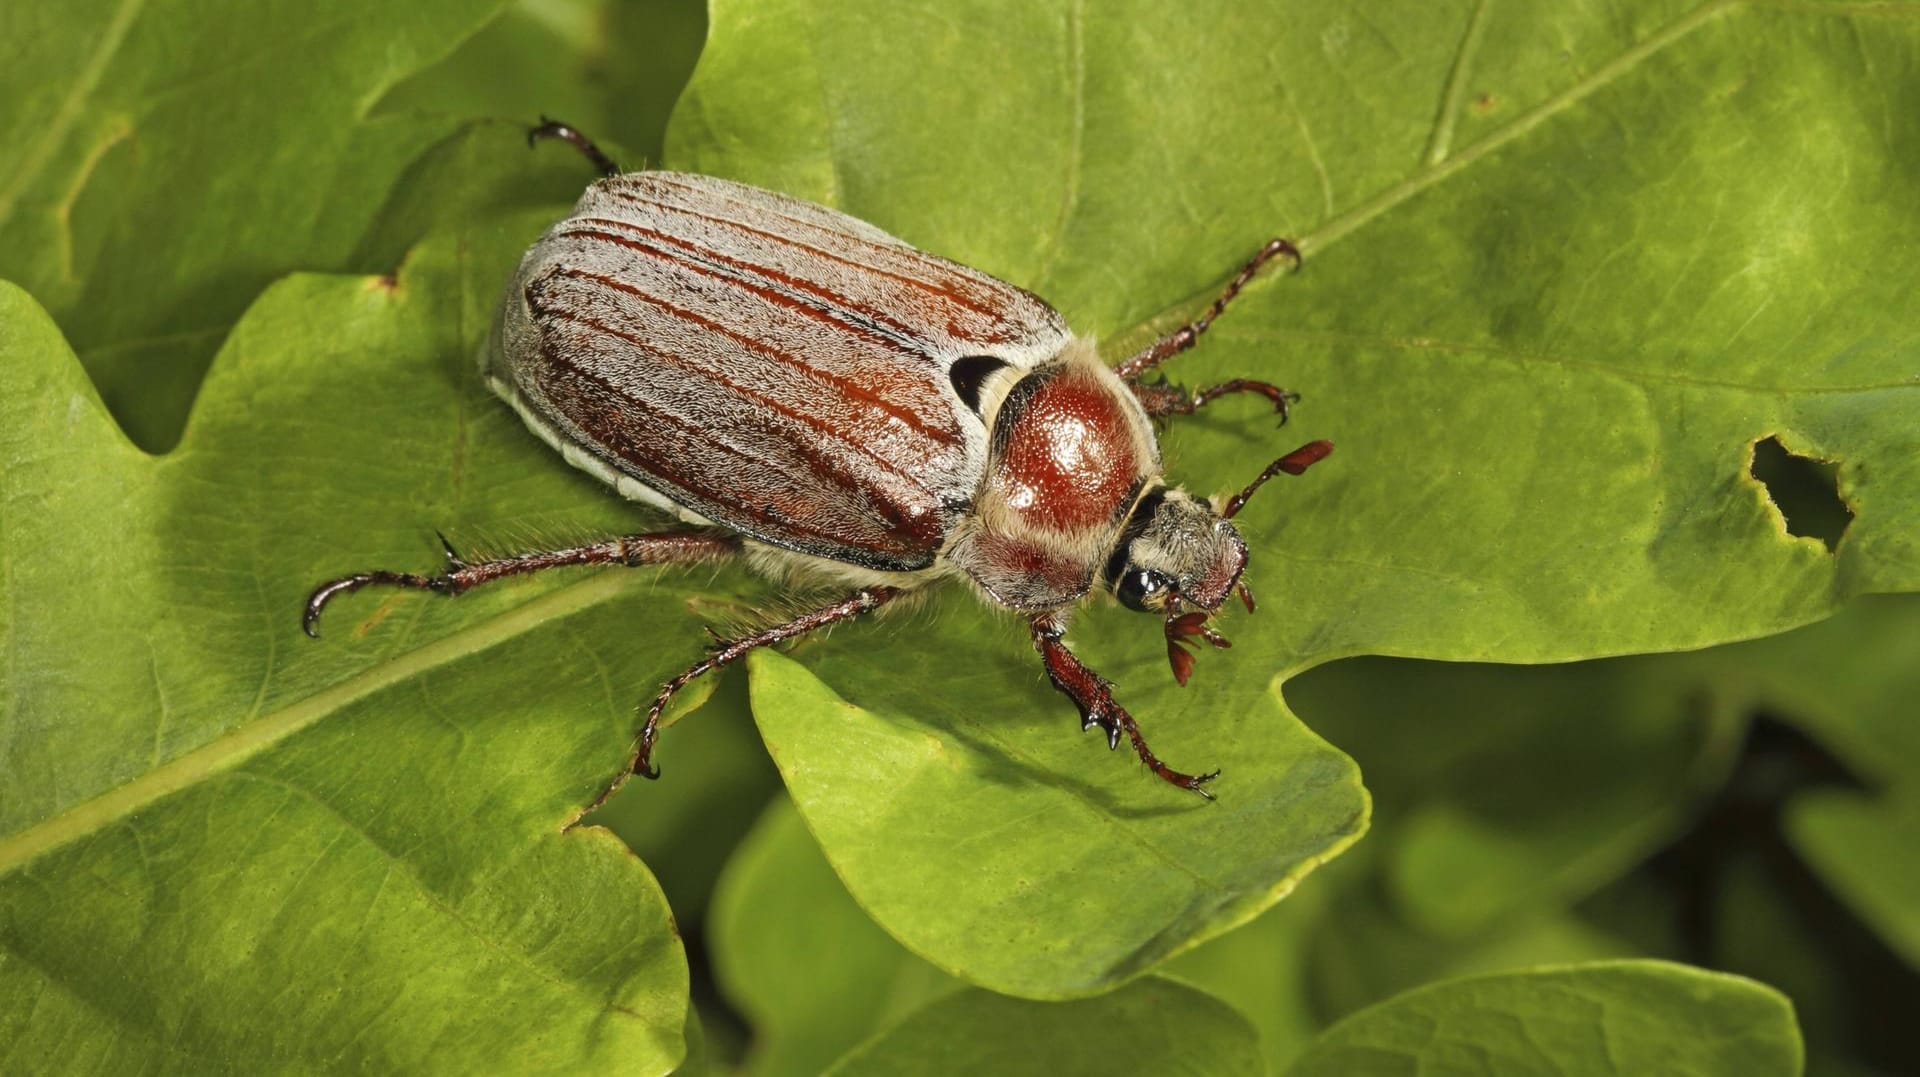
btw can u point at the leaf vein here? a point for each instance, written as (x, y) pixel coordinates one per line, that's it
(247, 741)
(398, 865)
(61, 124)
(1440, 140)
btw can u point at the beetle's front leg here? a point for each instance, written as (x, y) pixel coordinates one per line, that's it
(1093, 695)
(1188, 335)
(1165, 398)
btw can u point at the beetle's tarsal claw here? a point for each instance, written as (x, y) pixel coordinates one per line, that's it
(327, 592)
(1284, 405)
(1198, 784)
(316, 602)
(1106, 723)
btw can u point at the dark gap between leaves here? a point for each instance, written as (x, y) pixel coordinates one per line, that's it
(1806, 492)
(1744, 820)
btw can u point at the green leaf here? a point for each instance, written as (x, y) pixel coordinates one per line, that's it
(1605, 1018)
(1547, 310)
(225, 846)
(988, 838)
(167, 160)
(1154, 1026)
(816, 984)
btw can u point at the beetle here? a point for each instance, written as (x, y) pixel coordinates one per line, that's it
(803, 388)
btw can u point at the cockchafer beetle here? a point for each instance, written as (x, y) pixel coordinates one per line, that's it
(799, 386)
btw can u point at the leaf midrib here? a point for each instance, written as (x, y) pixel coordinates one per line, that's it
(244, 743)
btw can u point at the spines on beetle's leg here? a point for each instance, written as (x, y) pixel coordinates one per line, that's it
(552, 128)
(1093, 695)
(460, 575)
(1187, 335)
(726, 652)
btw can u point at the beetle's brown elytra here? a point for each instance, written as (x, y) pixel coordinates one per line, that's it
(795, 384)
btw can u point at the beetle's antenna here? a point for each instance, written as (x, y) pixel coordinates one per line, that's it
(552, 128)
(1293, 463)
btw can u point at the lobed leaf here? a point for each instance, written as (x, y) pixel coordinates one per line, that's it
(223, 846)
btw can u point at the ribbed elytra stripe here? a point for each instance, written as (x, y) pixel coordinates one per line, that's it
(880, 320)
(998, 314)
(774, 524)
(821, 305)
(948, 435)
(823, 462)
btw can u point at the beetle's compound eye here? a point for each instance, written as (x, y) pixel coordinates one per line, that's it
(1140, 585)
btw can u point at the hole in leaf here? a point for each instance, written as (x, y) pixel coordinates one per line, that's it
(1805, 491)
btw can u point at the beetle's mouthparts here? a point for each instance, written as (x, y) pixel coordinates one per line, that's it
(1181, 626)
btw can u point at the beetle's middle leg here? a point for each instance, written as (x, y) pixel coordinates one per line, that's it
(1093, 695)
(664, 547)
(725, 653)
(1187, 335)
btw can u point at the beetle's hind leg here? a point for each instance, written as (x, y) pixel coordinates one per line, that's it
(552, 128)
(461, 575)
(1187, 335)
(725, 653)
(1093, 695)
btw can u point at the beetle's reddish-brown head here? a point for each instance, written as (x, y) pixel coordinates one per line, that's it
(1179, 558)
(1176, 550)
